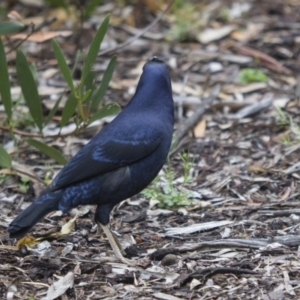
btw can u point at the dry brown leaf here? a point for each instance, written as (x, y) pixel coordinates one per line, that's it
(285, 194)
(252, 31)
(26, 240)
(213, 34)
(62, 16)
(14, 15)
(188, 90)
(7, 172)
(199, 130)
(257, 169)
(41, 36)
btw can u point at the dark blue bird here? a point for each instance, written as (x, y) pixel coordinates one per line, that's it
(119, 162)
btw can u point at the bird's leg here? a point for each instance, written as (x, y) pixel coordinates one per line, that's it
(118, 243)
(115, 244)
(113, 235)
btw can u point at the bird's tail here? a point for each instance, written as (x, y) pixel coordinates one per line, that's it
(45, 204)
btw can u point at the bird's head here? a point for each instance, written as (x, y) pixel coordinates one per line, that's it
(156, 69)
(154, 90)
(155, 76)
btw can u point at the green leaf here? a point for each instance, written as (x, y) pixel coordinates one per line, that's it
(58, 3)
(63, 66)
(29, 89)
(85, 96)
(89, 84)
(79, 55)
(4, 83)
(107, 110)
(68, 110)
(89, 81)
(248, 75)
(5, 160)
(10, 27)
(94, 48)
(100, 92)
(53, 110)
(48, 150)
(90, 7)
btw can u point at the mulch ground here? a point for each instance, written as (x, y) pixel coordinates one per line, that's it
(239, 236)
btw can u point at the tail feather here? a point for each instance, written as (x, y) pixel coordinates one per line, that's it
(45, 204)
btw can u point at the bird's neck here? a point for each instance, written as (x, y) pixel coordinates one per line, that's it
(153, 95)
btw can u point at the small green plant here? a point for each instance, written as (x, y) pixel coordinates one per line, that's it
(283, 118)
(3, 178)
(225, 14)
(293, 133)
(286, 140)
(187, 164)
(24, 185)
(83, 104)
(186, 22)
(86, 8)
(5, 159)
(165, 190)
(249, 75)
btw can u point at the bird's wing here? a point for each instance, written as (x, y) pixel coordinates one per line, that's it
(94, 159)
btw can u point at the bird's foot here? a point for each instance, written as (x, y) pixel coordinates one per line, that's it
(125, 261)
(118, 251)
(142, 262)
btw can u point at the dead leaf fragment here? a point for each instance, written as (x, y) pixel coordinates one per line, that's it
(257, 169)
(255, 107)
(165, 296)
(252, 31)
(40, 36)
(194, 283)
(210, 34)
(199, 130)
(68, 227)
(27, 240)
(196, 227)
(59, 287)
(293, 168)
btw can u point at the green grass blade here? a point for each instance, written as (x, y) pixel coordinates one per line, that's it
(90, 80)
(10, 27)
(94, 48)
(90, 7)
(48, 150)
(89, 85)
(107, 110)
(53, 110)
(86, 95)
(5, 160)
(29, 89)
(100, 92)
(63, 66)
(68, 110)
(4, 83)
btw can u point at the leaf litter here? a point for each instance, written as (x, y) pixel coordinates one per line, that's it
(244, 164)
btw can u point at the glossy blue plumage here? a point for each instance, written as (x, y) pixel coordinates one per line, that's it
(119, 161)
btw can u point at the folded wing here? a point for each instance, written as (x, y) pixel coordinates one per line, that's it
(94, 160)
